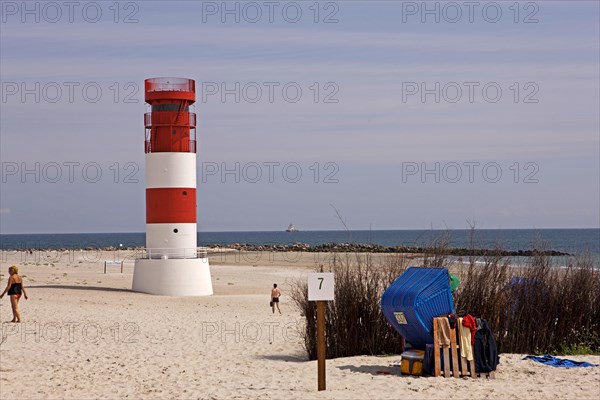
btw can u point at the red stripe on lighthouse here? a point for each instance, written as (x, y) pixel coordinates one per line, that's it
(170, 205)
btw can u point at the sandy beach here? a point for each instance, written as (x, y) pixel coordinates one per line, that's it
(86, 335)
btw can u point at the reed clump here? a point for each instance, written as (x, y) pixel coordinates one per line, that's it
(354, 323)
(535, 307)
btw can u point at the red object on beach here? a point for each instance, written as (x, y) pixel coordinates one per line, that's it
(469, 322)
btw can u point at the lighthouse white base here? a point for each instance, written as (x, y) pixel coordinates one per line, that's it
(173, 277)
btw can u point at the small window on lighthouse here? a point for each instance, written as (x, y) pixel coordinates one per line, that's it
(175, 230)
(184, 193)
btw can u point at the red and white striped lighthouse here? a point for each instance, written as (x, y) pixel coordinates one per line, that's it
(172, 264)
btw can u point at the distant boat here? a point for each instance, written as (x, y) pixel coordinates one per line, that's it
(291, 228)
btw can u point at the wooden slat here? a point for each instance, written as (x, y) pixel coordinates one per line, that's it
(463, 365)
(472, 367)
(446, 362)
(455, 372)
(436, 349)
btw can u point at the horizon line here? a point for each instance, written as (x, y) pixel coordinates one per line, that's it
(307, 230)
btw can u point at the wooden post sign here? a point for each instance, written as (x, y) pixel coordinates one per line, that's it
(321, 289)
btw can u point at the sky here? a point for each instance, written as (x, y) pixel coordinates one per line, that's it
(397, 114)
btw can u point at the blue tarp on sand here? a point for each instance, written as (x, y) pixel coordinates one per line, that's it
(559, 362)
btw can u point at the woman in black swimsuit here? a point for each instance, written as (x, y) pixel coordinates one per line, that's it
(14, 289)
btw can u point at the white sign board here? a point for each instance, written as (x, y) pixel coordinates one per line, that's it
(320, 286)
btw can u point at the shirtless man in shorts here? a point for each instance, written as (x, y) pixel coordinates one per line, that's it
(275, 294)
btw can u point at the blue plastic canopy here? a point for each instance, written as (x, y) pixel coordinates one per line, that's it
(414, 299)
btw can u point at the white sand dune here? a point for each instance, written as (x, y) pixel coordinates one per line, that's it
(85, 335)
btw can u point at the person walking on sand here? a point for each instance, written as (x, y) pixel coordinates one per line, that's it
(15, 288)
(275, 294)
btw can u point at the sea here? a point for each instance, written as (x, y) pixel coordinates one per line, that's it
(572, 241)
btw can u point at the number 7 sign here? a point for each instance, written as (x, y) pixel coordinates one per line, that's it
(320, 286)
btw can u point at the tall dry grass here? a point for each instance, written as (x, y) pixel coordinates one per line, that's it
(534, 308)
(354, 323)
(537, 308)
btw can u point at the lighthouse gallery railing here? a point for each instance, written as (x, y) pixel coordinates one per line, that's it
(167, 253)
